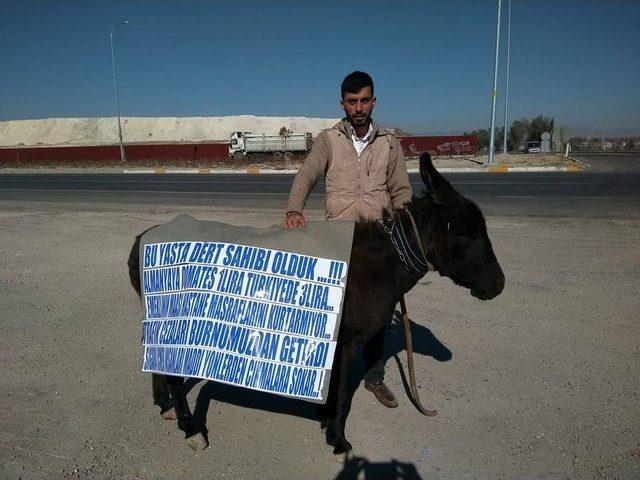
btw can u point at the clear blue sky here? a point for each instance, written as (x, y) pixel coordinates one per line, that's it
(432, 61)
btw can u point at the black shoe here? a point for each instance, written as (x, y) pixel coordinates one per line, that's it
(382, 393)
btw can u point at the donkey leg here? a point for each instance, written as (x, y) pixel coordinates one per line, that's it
(193, 435)
(161, 396)
(339, 410)
(328, 410)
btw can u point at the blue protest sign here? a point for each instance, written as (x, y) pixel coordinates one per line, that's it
(244, 312)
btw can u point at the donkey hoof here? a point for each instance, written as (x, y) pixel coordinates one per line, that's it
(169, 414)
(197, 442)
(344, 459)
(343, 446)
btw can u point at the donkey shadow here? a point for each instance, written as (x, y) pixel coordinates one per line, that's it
(424, 343)
(359, 468)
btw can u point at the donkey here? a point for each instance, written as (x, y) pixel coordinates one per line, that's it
(451, 236)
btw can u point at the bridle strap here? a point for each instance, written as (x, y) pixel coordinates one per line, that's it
(419, 239)
(410, 254)
(415, 262)
(407, 255)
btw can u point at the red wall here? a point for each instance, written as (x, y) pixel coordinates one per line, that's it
(207, 151)
(443, 145)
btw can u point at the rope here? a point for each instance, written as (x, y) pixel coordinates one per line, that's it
(410, 366)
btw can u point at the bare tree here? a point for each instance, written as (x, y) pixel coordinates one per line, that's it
(539, 125)
(285, 132)
(518, 134)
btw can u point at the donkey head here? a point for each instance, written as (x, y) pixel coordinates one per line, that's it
(461, 248)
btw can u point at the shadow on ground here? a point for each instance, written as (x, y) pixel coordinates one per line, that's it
(359, 468)
(424, 343)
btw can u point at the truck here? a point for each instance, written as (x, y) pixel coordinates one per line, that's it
(242, 144)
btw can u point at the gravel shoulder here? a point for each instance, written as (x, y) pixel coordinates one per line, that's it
(542, 382)
(455, 162)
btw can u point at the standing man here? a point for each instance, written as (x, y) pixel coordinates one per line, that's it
(365, 175)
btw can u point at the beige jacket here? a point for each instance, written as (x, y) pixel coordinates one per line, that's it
(356, 187)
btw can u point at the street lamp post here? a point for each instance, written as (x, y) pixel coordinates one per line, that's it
(115, 90)
(494, 92)
(506, 88)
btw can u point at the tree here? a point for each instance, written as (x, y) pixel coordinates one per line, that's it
(518, 134)
(577, 142)
(559, 136)
(483, 138)
(538, 126)
(499, 139)
(285, 132)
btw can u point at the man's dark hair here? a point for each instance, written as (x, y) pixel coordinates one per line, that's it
(354, 82)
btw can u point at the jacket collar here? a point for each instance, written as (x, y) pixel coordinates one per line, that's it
(344, 127)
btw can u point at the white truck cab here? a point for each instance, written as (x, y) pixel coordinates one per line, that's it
(236, 145)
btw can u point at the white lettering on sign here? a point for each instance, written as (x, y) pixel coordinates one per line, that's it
(253, 317)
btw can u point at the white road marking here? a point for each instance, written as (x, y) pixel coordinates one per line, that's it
(522, 183)
(142, 191)
(181, 182)
(590, 196)
(552, 196)
(515, 196)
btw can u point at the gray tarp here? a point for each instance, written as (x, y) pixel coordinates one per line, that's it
(254, 307)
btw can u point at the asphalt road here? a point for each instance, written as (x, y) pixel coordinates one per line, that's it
(611, 188)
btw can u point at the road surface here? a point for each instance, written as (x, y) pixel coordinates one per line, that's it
(592, 194)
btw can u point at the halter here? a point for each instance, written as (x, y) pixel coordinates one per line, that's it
(417, 265)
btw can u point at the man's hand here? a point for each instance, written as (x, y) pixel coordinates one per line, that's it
(294, 220)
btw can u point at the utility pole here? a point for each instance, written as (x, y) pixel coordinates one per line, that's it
(506, 90)
(604, 125)
(123, 157)
(494, 92)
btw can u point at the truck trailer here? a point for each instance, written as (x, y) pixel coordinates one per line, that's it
(242, 144)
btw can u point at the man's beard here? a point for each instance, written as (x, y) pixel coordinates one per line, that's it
(359, 121)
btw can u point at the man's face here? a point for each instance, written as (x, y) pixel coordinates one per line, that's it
(358, 106)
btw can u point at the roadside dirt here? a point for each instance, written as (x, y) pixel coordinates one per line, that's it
(475, 161)
(511, 160)
(539, 383)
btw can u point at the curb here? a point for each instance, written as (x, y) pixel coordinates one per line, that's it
(578, 167)
(582, 164)
(260, 171)
(210, 171)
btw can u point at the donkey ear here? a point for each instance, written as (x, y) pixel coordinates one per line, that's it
(437, 186)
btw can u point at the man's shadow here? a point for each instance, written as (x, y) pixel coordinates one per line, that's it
(359, 468)
(424, 343)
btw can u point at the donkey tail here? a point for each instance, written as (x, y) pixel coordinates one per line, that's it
(134, 265)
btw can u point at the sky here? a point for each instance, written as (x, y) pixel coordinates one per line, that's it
(432, 61)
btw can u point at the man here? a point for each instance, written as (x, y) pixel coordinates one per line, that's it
(365, 175)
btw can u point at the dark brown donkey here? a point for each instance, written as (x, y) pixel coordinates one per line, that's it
(383, 268)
